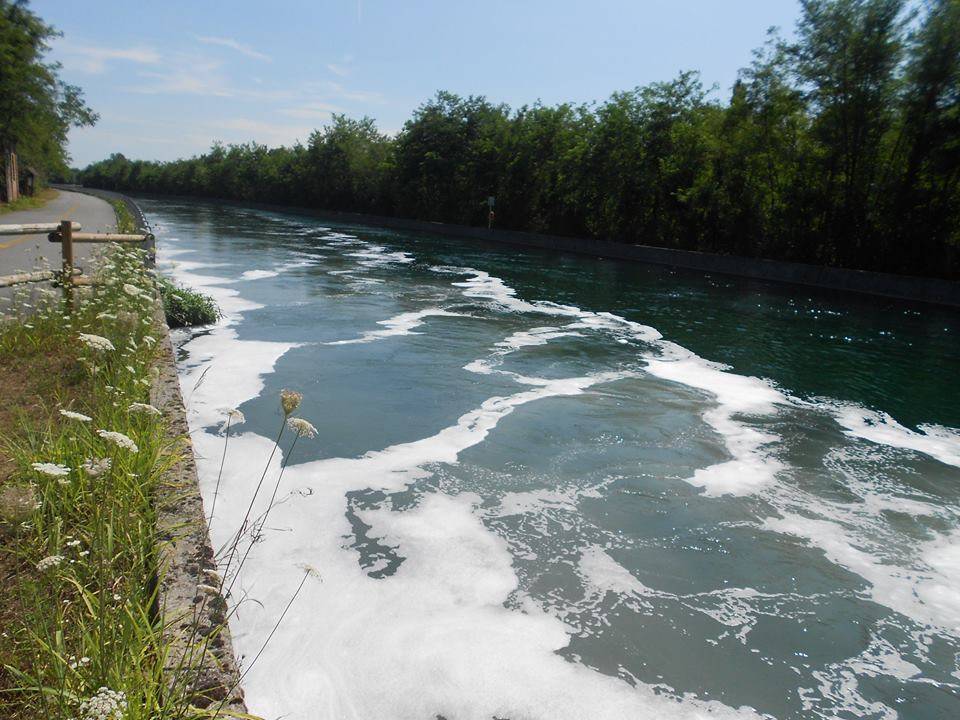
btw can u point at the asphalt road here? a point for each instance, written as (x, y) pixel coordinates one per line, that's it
(21, 253)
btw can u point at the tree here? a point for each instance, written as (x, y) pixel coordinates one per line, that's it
(846, 58)
(926, 189)
(36, 108)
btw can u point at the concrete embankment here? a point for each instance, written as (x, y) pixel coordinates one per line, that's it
(195, 620)
(900, 287)
(189, 611)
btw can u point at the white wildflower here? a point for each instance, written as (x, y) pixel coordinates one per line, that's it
(96, 342)
(309, 570)
(143, 409)
(302, 428)
(234, 417)
(73, 543)
(207, 589)
(107, 704)
(79, 663)
(49, 562)
(51, 469)
(131, 289)
(119, 439)
(106, 316)
(149, 340)
(75, 416)
(132, 370)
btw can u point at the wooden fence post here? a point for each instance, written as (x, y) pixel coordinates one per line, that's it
(66, 248)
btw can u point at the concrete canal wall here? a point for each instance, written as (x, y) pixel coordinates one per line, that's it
(901, 287)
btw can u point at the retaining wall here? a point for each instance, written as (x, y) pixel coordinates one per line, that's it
(901, 287)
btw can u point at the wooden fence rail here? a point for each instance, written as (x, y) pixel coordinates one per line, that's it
(63, 233)
(33, 228)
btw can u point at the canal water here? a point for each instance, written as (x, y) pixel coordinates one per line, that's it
(553, 487)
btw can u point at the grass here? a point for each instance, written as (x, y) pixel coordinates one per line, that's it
(185, 307)
(78, 553)
(29, 202)
(182, 306)
(125, 221)
(83, 455)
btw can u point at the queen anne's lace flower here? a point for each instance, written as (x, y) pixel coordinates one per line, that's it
(95, 468)
(51, 469)
(143, 409)
(107, 704)
(119, 439)
(302, 428)
(49, 562)
(131, 289)
(309, 570)
(96, 342)
(75, 416)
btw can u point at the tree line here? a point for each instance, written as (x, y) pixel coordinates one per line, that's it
(840, 147)
(37, 108)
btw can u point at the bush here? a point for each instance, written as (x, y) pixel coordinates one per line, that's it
(185, 307)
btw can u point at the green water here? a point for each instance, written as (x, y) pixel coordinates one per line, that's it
(574, 515)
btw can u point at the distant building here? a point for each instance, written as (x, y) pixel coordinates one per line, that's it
(30, 180)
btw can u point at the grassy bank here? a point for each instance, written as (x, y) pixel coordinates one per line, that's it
(29, 202)
(83, 452)
(125, 221)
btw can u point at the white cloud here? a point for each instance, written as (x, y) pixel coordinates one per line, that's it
(339, 70)
(312, 110)
(267, 133)
(93, 59)
(234, 45)
(336, 90)
(197, 75)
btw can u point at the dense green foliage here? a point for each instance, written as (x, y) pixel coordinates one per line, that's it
(184, 307)
(36, 107)
(840, 148)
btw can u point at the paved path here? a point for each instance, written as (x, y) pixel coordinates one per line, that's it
(20, 253)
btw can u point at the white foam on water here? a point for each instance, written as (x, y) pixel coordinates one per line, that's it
(602, 574)
(518, 340)
(357, 647)
(925, 588)
(358, 644)
(258, 274)
(839, 685)
(374, 256)
(938, 442)
(752, 467)
(536, 501)
(402, 324)
(731, 607)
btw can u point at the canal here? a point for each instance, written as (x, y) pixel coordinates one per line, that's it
(550, 486)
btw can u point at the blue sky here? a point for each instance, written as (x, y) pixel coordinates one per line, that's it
(169, 77)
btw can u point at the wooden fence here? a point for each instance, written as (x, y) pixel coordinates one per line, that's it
(67, 234)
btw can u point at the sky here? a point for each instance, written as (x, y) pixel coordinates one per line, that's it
(170, 77)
